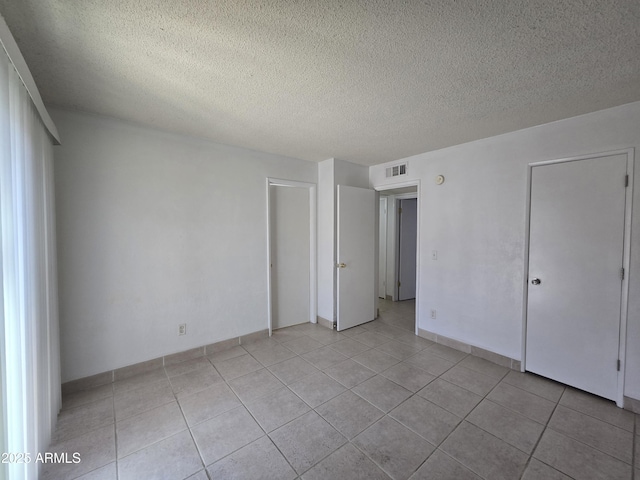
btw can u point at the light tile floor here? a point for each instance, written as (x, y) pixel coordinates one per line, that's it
(373, 402)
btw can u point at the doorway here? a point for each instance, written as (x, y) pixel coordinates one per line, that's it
(578, 253)
(407, 247)
(390, 216)
(291, 240)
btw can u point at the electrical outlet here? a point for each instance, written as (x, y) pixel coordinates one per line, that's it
(182, 329)
(433, 314)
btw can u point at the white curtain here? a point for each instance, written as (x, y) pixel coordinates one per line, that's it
(29, 346)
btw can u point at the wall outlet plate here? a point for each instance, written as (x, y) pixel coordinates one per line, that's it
(182, 329)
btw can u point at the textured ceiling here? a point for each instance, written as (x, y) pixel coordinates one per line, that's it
(363, 81)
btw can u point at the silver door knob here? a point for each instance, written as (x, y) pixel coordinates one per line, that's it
(341, 265)
(536, 281)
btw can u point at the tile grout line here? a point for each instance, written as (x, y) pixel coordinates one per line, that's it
(535, 447)
(533, 393)
(242, 404)
(175, 397)
(367, 456)
(636, 447)
(287, 423)
(189, 427)
(385, 414)
(597, 419)
(416, 393)
(113, 410)
(115, 439)
(314, 409)
(517, 412)
(147, 411)
(546, 424)
(485, 397)
(195, 444)
(259, 425)
(115, 430)
(177, 401)
(94, 429)
(462, 419)
(349, 441)
(591, 416)
(281, 452)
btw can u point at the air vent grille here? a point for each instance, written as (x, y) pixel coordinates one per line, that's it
(397, 170)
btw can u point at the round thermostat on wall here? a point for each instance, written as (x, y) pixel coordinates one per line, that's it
(439, 179)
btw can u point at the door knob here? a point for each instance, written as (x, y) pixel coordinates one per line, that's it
(341, 265)
(536, 281)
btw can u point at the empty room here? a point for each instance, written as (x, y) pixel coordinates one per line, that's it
(248, 239)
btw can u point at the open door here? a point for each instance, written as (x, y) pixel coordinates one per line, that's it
(407, 244)
(356, 256)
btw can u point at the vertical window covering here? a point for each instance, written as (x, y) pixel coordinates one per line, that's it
(29, 342)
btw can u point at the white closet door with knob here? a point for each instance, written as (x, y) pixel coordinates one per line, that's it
(576, 246)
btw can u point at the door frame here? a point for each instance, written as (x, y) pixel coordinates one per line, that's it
(391, 186)
(626, 258)
(313, 304)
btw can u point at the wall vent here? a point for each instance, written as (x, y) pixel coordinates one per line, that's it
(397, 170)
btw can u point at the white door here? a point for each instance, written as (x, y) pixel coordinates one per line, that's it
(382, 249)
(575, 261)
(407, 248)
(290, 262)
(357, 285)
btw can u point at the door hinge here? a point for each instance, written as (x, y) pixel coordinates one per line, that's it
(398, 283)
(618, 365)
(622, 273)
(399, 211)
(626, 180)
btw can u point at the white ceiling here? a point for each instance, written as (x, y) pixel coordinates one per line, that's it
(363, 81)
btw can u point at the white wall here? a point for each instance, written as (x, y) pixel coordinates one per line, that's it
(350, 174)
(154, 230)
(476, 221)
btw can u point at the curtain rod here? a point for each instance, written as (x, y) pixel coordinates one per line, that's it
(15, 57)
